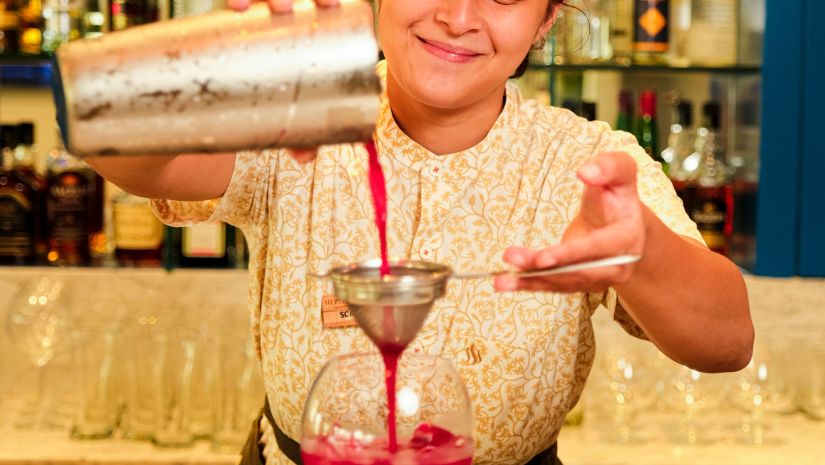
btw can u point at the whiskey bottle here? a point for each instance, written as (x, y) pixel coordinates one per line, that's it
(70, 208)
(22, 199)
(712, 203)
(651, 36)
(138, 232)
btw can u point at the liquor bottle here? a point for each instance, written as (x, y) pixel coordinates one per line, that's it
(647, 133)
(22, 204)
(61, 23)
(624, 122)
(8, 27)
(588, 111)
(573, 105)
(94, 20)
(680, 32)
(8, 141)
(128, 13)
(69, 207)
(31, 27)
(712, 203)
(205, 245)
(651, 36)
(138, 232)
(679, 148)
(620, 13)
(588, 32)
(712, 40)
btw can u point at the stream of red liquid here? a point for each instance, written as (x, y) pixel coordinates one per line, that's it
(378, 187)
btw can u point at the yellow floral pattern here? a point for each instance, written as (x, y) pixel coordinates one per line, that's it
(523, 356)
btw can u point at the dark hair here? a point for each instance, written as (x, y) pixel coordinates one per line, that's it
(551, 8)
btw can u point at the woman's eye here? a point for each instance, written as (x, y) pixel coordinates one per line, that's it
(506, 2)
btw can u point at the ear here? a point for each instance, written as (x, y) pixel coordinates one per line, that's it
(545, 27)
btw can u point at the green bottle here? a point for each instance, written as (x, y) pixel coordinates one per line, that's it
(647, 134)
(624, 122)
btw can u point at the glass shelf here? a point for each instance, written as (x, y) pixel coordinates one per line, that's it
(738, 70)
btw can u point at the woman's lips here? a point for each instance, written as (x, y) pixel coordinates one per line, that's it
(448, 52)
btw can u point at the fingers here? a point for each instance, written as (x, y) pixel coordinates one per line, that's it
(238, 5)
(277, 6)
(593, 280)
(280, 6)
(303, 155)
(609, 169)
(609, 241)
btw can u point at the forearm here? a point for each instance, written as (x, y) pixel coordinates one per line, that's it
(181, 177)
(691, 302)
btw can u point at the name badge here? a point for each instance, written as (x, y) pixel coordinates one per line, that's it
(335, 313)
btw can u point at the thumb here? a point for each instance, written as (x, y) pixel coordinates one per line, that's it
(238, 5)
(609, 169)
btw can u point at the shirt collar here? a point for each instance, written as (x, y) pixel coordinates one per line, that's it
(391, 139)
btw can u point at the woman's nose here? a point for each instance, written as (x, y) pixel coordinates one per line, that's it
(459, 16)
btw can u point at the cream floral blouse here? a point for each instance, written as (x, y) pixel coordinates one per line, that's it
(524, 356)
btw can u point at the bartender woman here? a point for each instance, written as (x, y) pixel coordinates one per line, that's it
(478, 178)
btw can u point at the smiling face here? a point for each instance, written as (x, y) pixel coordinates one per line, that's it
(451, 54)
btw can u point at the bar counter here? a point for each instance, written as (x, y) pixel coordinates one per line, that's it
(785, 309)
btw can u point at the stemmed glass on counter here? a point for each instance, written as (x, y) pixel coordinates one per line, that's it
(764, 389)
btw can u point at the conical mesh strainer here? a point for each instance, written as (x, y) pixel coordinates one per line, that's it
(392, 309)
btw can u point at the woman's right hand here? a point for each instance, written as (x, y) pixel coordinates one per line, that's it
(277, 6)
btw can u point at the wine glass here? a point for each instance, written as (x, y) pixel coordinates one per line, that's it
(346, 416)
(37, 321)
(763, 389)
(625, 384)
(694, 394)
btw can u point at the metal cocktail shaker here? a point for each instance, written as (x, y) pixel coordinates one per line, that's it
(222, 82)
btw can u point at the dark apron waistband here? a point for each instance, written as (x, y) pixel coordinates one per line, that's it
(292, 450)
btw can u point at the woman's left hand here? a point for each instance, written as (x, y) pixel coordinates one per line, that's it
(611, 222)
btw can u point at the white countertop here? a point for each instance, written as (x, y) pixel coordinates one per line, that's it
(799, 442)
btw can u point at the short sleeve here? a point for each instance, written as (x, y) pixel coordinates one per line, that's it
(243, 203)
(657, 193)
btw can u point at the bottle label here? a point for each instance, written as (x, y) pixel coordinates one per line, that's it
(204, 241)
(68, 208)
(710, 217)
(651, 28)
(15, 218)
(136, 227)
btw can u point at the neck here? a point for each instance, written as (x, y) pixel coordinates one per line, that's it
(444, 131)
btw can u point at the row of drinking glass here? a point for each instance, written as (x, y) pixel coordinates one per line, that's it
(127, 360)
(632, 383)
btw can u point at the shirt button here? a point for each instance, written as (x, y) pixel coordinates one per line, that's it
(426, 253)
(435, 170)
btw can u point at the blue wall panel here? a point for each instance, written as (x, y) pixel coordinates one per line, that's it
(777, 233)
(812, 192)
